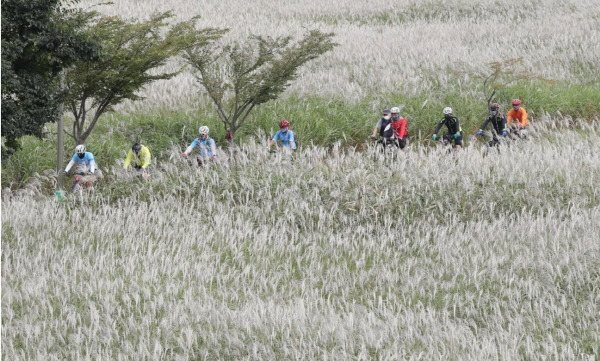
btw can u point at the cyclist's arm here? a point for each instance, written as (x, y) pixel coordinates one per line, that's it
(274, 140)
(146, 157)
(524, 119)
(292, 140)
(485, 123)
(509, 116)
(439, 126)
(71, 163)
(128, 159)
(377, 127)
(402, 133)
(213, 147)
(91, 161)
(188, 150)
(375, 131)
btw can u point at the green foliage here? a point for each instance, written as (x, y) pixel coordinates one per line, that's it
(39, 40)
(501, 74)
(319, 121)
(131, 53)
(241, 76)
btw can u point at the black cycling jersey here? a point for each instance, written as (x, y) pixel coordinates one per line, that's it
(384, 125)
(451, 123)
(498, 123)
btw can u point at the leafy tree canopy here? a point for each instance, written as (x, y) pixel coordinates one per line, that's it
(240, 76)
(133, 55)
(40, 38)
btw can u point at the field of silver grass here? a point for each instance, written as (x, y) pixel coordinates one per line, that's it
(404, 46)
(326, 254)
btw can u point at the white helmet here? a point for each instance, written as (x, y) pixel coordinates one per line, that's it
(203, 130)
(447, 111)
(80, 149)
(395, 110)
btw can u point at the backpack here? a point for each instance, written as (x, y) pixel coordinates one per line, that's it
(295, 138)
(386, 130)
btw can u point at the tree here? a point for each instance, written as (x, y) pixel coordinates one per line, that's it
(39, 40)
(501, 74)
(132, 54)
(241, 76)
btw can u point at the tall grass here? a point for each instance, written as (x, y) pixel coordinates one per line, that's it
(333, 252)
(316, 120)
(407, 46)
(320, 254)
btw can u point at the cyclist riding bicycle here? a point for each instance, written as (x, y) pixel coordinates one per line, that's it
(284, 135)
(392, 128)
(140, 156)
(206, 146)
(518, 128)
(83, 163)
(382, 124)
(499, 127)
(454, 133)
(399, 126)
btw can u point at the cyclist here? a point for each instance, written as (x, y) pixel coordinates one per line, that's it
(285, 135)
(520, 126)
(206, 145)
(140, 155)
(392, 128)
(400, 130)
(454, 131)
(498, 121)
(382, 125)
(83, 162)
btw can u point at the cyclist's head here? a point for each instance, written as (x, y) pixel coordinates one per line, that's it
(203, 130)
(516, 103)
(136, 148)
(494, 108)
(386, 114)
(395, 113)
(284, 124)
(80, 150)
(447, 111)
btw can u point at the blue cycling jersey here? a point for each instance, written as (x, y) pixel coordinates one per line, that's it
(205, 146)
(285, 139)
(87, 159)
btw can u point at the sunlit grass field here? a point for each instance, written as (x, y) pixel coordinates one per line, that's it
(433, 47)
(323, 254)
(334, 252)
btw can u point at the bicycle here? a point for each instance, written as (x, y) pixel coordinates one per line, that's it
(142, 173)
(82, 181)
(386, 145)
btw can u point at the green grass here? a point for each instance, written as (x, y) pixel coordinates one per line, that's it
(316, 120)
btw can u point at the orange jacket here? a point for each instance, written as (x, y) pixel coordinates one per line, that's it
(519, 116)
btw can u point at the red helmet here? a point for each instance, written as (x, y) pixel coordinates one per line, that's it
(516, 102)
(284, 124)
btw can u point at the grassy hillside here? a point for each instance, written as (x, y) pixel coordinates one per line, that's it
(333, 252)
(321, 254)
(317, 120)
